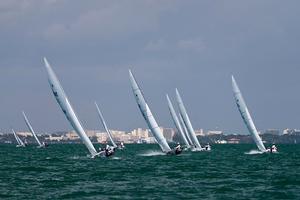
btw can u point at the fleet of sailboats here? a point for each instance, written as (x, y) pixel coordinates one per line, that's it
(181, 121)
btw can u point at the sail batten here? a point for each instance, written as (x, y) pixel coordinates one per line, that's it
(176, 121)
(31, 129)
(148, 116)
(67, 109)
(187, 121)
(105, 126)
(245, 114)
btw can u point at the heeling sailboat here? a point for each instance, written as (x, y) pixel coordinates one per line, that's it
(176, 122)
(67, 109)
(105, 126)
(185, 130)
(149, 118)
(187, 122)
(242, 107)
(19, 141)
(31, 130)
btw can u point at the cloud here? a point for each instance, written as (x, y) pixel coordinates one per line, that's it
(194, 44)
(156, 45)
(110, 20)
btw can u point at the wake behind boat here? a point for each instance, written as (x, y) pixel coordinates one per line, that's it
(149, 118)
(242, 107)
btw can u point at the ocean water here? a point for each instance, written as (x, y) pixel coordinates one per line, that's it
(64, 171)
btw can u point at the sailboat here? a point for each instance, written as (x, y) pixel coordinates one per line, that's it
(185, 131)
(149, 118)
(68, 111)
(176, 122)
(32, 131)
(19, 141)
(188, 123)
(242, 107)
(105, 127)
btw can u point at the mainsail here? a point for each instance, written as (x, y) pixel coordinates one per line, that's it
(176, 121)
(31, 129)
(185, 130)
(149, 118)
(246, 115)
(105, 126)
(67, 109)
(187, 121)
(19, 141)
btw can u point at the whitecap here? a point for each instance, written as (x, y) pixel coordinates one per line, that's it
(152, 153)
(253, 152)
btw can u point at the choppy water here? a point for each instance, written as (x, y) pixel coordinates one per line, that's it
(141, 172)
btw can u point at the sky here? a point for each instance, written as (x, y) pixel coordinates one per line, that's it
(191, 45)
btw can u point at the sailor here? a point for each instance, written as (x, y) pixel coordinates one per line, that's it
(207, 147)
(273, 148)
(122, 145)
(178, 147)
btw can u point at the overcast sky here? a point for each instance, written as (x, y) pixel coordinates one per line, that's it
(193, 45)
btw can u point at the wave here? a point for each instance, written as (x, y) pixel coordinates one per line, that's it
(152, 153)
(254, 152)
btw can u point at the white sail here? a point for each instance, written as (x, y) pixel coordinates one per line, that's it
(31, 129)
(67, 109)
(105, 126)
(246, 115)
(185, 130)
(176, 121)
(19, 141)
(149, 118)
(187, 121)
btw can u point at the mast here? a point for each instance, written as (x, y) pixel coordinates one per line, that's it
(31, 129)
(105, 126)
(16, 137)
(21, 142)
(176, 121)
(242, 107)
(187, 121)
(67, 109)
(147, 114)
(185, 130)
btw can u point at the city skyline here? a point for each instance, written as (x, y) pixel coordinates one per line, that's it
(193, 46)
